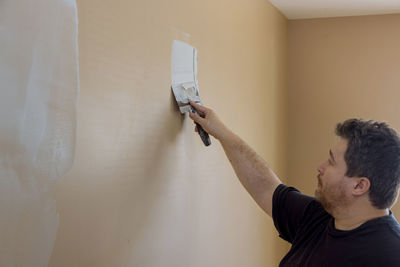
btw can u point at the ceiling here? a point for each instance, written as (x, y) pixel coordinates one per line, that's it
(301, 9)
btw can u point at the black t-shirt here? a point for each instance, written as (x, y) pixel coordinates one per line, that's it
(303, 222)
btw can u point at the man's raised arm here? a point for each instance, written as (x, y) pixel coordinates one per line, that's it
(253, 172)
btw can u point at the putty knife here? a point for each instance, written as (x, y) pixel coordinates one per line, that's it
(184, 81)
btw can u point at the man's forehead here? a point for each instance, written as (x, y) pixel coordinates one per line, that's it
(340, 146)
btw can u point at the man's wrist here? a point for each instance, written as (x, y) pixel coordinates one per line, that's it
(227, 136)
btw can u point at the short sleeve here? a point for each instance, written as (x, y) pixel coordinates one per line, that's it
(288, 210)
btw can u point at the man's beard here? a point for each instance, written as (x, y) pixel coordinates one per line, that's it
(330, 199)
(320, 197)
(327, 205)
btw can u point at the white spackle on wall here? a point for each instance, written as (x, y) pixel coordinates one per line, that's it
(38, 97)
(184, 74)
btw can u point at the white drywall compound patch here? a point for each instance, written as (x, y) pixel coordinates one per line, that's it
(38, 97)
(184, 75)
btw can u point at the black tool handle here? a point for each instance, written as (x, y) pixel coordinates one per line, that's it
(203, 134)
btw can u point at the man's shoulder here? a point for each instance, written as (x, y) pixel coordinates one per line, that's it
(295, 213)
(393, 228)
(385, 234)
(386, 245)
(376, 244)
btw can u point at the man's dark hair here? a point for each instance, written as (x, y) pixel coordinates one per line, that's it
(373, 151)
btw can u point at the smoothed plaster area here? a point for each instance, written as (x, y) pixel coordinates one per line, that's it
(39, 88)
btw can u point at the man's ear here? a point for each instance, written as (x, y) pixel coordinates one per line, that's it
(361, 186)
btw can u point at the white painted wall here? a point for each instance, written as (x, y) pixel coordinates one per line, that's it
(39, 87)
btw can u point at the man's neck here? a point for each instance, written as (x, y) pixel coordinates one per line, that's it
(352, 219)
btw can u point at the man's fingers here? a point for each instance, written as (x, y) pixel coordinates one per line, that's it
(195, 127)
(198, 107)
(196, 117)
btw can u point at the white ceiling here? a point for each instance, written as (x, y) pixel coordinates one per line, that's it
(301, 9)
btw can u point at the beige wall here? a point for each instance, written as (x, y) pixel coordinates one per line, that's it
(144, 191)
(338, 68)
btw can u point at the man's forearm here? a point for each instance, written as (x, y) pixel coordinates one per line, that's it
(253, 172)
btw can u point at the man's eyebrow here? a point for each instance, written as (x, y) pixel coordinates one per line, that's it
(331, 154)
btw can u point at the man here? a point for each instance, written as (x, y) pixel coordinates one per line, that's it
(348, 223)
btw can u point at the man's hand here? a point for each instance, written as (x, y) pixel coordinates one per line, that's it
(209, 121)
